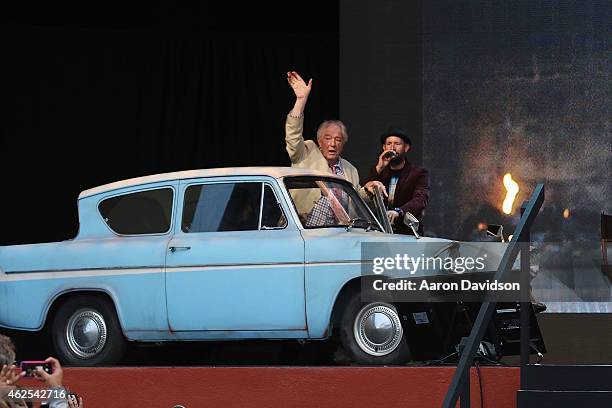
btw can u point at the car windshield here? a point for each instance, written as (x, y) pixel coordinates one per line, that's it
(326, 202)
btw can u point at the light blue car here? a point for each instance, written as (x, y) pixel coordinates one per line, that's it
(217, 254)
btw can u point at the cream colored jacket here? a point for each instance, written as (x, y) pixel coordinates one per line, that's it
(305, 154)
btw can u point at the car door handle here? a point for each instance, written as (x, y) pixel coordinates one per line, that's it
(179, 248)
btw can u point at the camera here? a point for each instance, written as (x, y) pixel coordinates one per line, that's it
(30, 367)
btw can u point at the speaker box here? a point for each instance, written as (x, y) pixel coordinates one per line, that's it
(433, 330)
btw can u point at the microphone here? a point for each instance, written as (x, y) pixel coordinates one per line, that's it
(390, 154)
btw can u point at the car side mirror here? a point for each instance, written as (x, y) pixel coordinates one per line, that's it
(496, 231)
(412, 221)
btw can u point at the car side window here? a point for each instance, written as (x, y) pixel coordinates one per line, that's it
(221, 207)
(144, 212)
(272, 216)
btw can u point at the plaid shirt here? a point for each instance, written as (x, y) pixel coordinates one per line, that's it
(322, 213)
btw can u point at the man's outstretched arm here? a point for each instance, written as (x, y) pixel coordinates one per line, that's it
(294, 125)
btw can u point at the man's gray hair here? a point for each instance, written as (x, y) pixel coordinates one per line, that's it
(7, 351)
(327, 123)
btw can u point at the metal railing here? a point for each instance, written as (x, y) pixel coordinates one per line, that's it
(460, 384)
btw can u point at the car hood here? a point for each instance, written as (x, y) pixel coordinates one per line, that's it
(329, 244)
(337, 245)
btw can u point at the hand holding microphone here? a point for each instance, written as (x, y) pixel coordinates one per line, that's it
(384, 159)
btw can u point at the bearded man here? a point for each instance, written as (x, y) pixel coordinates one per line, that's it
(405, 185)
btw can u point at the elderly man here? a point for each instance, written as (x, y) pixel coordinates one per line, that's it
(406, 185)
(331, 138)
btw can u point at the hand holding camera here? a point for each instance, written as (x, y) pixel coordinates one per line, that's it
(9, 375)
(54, 376)
(29, 368)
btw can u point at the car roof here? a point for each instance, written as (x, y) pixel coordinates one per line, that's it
(276, 172)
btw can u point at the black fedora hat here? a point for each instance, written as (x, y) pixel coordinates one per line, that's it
(394, 131)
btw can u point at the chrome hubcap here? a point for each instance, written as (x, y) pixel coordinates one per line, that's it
(377, 329)
(86, 333)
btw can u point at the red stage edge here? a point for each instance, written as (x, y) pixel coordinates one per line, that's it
(198, 387)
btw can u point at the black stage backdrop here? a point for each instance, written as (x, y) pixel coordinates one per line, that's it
(88, 106)
(381, 80)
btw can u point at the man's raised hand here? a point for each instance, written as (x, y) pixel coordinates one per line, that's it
(298, 85)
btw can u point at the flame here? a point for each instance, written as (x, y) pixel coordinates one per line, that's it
(566, 213)
(512, 189)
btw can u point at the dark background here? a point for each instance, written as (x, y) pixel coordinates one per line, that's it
(94, 94)
(98, 93)
(381, 75)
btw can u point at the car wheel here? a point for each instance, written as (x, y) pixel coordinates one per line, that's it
(86, 332)
(371, 333)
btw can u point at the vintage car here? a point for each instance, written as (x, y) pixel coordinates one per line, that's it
(215, 254)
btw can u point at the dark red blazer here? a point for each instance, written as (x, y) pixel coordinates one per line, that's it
(411, 192)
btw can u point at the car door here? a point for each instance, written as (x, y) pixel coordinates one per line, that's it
(236, 261)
